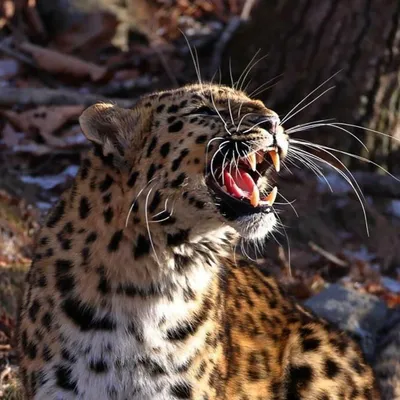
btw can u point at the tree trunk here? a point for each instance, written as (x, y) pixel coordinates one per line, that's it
(307, 42)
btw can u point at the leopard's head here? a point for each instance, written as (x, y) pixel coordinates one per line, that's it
(195, 158)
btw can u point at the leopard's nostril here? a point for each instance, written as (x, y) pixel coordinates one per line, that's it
(267, 122)
(271, 124)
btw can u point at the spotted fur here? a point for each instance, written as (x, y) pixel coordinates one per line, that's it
(135, 292)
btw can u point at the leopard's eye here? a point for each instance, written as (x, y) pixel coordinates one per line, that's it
(204, 110)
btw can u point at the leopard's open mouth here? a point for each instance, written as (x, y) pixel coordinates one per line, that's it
(236, 184)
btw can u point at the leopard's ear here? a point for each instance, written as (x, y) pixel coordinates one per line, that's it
(110, 128)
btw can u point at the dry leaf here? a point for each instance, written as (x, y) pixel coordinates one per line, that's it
(7, 11)
(9, 68)
(59, 63)
(44, 120)
(10, 137)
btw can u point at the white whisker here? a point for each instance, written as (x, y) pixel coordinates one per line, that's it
(241, 120)
(307, 124)
(134, 201)
(332, 125)
(354, 186)
(306, 97)
(289, 117)
(146, 216)
(255, 125)
(249, 70)
(196, 65)
(325, 148)
(219, 114)
(235, 86)
(262, 87)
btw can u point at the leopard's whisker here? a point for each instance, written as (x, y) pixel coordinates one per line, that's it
(219, 114)
(307, 155)
(234, 254)
(249, 70)
(166, 218)
(255, 125)
(223, 168)
(285, 118)
(135, 200)
(332, 125)
(230, 112)
(293, 129)
(220, 147)
(262, 87)
(208, 146)
(235, 86)
(242, 245)
(289, 203)
(146, 216)
(319, 146)
(231, 73)
(284, 165)
(289, 255)
(367, 129)
(236, 159)
(247, 85)
(196, 65)
(289, 117)
(313, 167)
(356, 189)
(165, 209)
(231, 164)
(241, 120)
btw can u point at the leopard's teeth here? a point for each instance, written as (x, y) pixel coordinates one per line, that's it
(270, 199)
(251, 158)
(255, 197)
(259, 157)
(276, 160)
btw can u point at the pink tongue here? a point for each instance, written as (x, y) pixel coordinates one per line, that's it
(239, 184)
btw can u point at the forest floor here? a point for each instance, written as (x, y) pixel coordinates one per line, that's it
(48, 79)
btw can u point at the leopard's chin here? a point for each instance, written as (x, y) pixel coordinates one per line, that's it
(256, 226)
(239, 192)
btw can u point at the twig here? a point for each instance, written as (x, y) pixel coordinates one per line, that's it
(7, 48)
(51, 97)
(226, 36)
(164, 63)
(284, 261)
(224, 39)
(329, 256)
(34, 19)
(248, 6)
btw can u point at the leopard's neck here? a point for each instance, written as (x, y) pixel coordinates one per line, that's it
(139, 261)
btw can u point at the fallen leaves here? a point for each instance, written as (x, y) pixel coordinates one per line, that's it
(44, 121)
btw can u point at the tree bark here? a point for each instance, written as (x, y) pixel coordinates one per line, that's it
(307, 42)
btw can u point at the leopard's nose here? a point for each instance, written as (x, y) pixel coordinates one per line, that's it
(268, 122)
(272, 124)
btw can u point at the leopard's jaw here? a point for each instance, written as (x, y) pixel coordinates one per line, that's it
(135, 290)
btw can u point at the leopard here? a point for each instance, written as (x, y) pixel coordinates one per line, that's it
(387, 356)
(136, 291)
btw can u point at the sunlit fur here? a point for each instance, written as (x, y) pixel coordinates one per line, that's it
(135, 291)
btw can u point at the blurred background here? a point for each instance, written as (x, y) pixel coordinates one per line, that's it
(59, 56)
